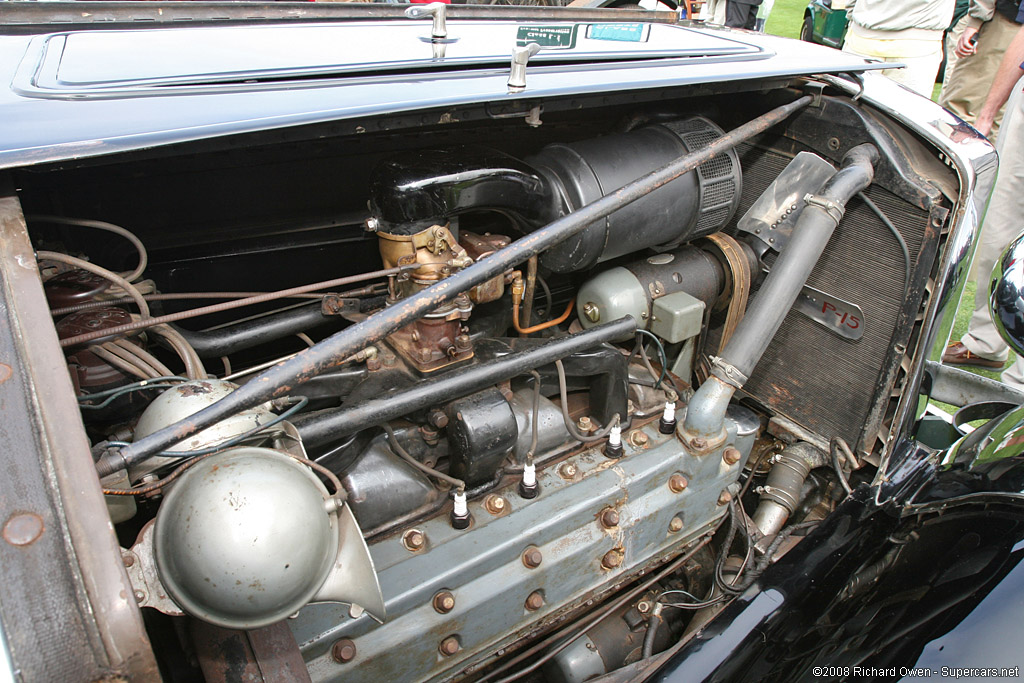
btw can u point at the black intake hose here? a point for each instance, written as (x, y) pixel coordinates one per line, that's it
(416, 191)
(251, 333)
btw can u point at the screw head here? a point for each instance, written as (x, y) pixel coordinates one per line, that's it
(638, 438)
(677, 483)
(611, 559)
(676, 525)
(567, 470)
(438, 418)
(414, 539)
(643, 607)
(699, 443)
(128, 559)
(534, 601)
(609, 518)
(532, 557)
(444, 602)
(592, 312)
(725, 497)
(449, 646)
(584, 424)
(343, 650)
(731, 456)
(495, 504)
(139, 596)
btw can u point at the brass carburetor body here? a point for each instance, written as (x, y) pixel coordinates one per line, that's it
(440, 338)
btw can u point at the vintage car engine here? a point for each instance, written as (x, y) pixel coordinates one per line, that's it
(562, 448)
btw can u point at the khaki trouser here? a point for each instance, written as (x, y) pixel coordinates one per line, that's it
(966, 86)
(1001, 224)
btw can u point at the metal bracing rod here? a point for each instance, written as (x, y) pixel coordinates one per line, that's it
(281, 380)
(319, 428)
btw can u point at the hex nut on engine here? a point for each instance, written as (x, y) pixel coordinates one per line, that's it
(676, 525)
(449, 646)
(638, 438)
(444, 602)
(534, 601)
(343, 651)
(567, 470)
(725, 497)
(677, 483)
(731, 456)
(414, 540)
(532, 557)
(612, 559)
(609, 518)
(495, 504)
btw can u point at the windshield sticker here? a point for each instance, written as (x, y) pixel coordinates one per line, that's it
(630, 33)
(550, 37)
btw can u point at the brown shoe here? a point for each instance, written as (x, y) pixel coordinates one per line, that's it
(958, 354)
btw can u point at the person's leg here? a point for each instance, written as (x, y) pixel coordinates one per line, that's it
(919, 73)
(739, 14)
(1001, 224)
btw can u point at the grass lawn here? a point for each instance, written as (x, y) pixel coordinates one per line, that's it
(785, 20)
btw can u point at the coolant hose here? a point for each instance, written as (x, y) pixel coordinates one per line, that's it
(705, 413)
(781, 492)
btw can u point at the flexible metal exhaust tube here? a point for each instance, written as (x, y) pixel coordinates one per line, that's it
(282, 380)
(819, 219)
(782, 489)
(319, 428)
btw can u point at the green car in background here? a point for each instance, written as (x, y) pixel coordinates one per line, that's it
(825, 22)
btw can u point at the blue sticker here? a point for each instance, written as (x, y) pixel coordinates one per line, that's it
(629, 33)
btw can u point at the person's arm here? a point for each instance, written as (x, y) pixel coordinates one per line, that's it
(1006, 77)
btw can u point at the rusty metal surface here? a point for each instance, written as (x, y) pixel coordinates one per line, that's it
(515, 574)
(282, 379)
(265, 655)
(68, 610)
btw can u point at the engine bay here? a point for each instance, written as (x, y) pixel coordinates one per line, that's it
(585, 401)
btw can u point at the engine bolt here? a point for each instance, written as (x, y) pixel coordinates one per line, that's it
(462, 341)
(611, 559)
(676, 525)
(139, 596)
(494, 504)
(534, 601)
(567, 470)
(699, 443)
(389, 359)
(592, 312)
(725, 497)
(731, 456)
(373, 364)
(677, 483)
(414, 540)
(609, 518)
(372, 224)
(449, 646)
(444, 602)
(638, 438)
(643, 607)
(343, 651)
(584, 424)
(438, 418)
(532, 557)
(128, 559)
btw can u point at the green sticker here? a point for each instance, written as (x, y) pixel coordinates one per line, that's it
(550, 37)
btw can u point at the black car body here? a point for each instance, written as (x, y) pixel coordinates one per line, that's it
(486, 515)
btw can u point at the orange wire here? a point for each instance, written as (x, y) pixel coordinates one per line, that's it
(543, 326)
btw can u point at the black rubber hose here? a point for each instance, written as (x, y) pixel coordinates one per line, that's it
(325, 426)
(251, 333)
(281, 380)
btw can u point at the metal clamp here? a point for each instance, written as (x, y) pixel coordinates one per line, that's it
(834, 210)
(517, 72)
(727, 372)
(437, 10)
